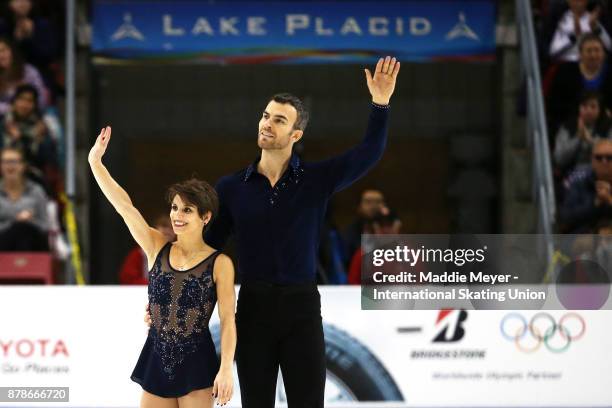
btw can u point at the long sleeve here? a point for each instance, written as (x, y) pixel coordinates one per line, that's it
(40, 217)
(566, 147)
(348, 167)
(222, 226)
(562, 41)
(578, 209)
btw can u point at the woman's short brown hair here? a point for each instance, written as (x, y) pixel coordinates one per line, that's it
(197, 193)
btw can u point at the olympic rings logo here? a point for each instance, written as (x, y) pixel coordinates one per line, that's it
(542, 328)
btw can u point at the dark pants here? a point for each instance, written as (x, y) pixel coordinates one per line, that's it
(23, 236)
(280, 326)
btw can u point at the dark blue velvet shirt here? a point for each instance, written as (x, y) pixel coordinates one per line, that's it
(277, 228)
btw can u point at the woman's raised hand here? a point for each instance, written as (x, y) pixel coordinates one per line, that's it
(99, 148)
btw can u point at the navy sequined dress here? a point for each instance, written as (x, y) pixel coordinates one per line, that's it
(179, 355)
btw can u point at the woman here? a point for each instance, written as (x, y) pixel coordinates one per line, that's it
(178, 366)
(24, 127)
(574, 140)
(23, 207)
(13, 72)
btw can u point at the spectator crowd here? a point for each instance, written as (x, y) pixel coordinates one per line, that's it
(31, 58)
(575, 46)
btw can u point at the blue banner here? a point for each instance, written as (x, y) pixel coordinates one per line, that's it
(294, 32)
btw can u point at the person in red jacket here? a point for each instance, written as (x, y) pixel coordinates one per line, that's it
(385, 222)
(134, 268)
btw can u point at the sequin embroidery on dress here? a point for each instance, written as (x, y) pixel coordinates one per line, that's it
(180, 304)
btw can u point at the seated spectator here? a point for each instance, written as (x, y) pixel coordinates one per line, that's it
(13, 72)
(371, 202)
(571, 22)
(134, 269)
(588, 196)
(35, 36)
(23, 128)
(23, 207)
(384, 221)
(572, 79)
(575, 138)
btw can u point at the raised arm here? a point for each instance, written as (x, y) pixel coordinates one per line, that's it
(348, 167)
(149, 239)
(224, 280)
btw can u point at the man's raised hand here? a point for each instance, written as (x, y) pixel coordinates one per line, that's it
(382, 84)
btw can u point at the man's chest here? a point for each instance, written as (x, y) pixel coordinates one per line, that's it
(258, 204)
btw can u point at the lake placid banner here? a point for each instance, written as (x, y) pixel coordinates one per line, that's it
(293, 32)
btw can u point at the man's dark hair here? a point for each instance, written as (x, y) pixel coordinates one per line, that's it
(302, 114)
(197, 193)
(590, 37)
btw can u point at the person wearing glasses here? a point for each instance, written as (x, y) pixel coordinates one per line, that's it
(588, 195)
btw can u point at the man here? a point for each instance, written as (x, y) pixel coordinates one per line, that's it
(588, 198)
(371, 203)
(275, 208)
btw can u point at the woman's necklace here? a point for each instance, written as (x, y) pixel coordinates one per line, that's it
(182, 267)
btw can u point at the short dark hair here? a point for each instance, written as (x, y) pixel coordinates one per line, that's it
(197, 193)
(302, 113)
(589, 95)
(589, 37)
(25, 88)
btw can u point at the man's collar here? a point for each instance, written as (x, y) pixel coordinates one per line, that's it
(295, 166)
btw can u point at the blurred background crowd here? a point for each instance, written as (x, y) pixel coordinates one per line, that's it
(444, 170)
